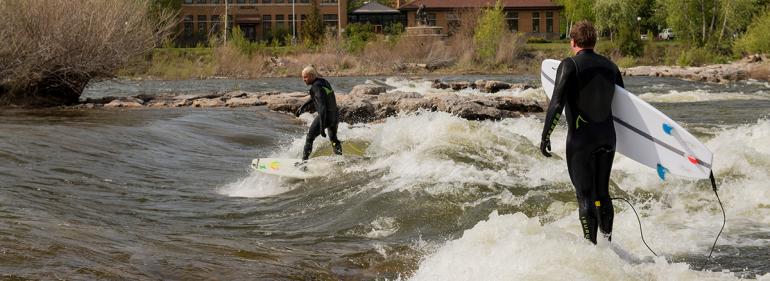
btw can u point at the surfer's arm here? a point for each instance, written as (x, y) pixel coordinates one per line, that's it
(318, 95)
(305, 107)
(619, 80)
(558, 99)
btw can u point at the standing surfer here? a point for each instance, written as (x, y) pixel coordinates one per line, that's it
(322, 98)
(585, 84)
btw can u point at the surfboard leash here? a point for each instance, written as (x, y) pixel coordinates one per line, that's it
(724, 219)
(638, 220)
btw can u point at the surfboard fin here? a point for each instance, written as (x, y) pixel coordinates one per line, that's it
(667, 128)
(662, 172)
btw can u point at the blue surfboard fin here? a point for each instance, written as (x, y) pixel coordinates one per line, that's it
(662, 172)
(667, 128)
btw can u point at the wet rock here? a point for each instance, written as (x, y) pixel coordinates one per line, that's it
(245, 101)
(356, 110)
(215, 102)
(368, 89)
(718, 73)
(461, 85)
(438, 84)
(125, 103)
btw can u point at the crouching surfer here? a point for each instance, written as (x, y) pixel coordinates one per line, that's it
(323, 99)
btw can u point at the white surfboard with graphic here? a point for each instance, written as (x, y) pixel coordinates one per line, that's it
(646, 135)
(289, 168)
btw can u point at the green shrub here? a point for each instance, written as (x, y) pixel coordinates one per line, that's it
(537, 40)
(243, 44)
(700, 56)
(489, 32)
(357, 36)
(757, 37)
(629, 42)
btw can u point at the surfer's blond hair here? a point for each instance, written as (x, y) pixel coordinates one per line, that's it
(310, 70)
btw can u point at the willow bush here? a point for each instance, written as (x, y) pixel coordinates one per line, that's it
(52, 49)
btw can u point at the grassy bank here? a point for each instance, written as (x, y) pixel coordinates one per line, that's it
(382, 57)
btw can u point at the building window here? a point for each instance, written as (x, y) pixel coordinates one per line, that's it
(330, 20)
(263, 1)
(304, 1)
(432, 19)
(548, 21)
(200, 1)
(215, 24)
(278, 1)
(188, 1)
(214, 1)
(188, 25)
(202, 23)
(240, 2)
(535, 21)
(279, 24)
(329, 1)
(513, 20)
(453, 22)
(267, 25)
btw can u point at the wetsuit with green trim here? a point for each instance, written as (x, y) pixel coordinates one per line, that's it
(585, 84)
(323, 99)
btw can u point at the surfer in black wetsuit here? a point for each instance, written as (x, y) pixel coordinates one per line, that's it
(585, 84)
(323, 100)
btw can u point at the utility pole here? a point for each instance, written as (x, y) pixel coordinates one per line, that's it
(227, 19)
(339, 19)
(293, 23)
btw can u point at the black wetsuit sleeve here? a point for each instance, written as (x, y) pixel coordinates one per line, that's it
(306, 106)
(558, 99)
(619, 80)
(318, 95)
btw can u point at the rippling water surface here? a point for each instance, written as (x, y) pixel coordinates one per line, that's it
(169, 194)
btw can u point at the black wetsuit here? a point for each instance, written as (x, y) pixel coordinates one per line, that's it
(322, 98)
(585, 84)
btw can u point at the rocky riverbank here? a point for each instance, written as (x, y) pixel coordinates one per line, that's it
(751, 67)
(367, 102)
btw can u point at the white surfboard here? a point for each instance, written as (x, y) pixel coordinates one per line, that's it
(646, 135)
(288, 168)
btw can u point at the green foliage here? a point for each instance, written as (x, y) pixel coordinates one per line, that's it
(577, 10)
(699, 56)
(357, 36)
(395, 28)
(757, 37)
(630, 42)
(313, 28)
(537, 40)
(616, 14)
(246, 47)
(489, 32)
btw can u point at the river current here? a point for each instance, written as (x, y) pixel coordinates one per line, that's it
(168, 194)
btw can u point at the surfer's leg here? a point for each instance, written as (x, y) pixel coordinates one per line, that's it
(579, 164)
(603, 163)
(312, 133)
(336, 144)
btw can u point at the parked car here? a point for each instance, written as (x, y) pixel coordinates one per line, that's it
(644, 37)
(666, 34)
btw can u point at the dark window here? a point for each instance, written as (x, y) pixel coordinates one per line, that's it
(535, 22)
(513, 20)
(263, 1)
(278, 1)
(453, 22)
(548, 21)
(188, 1)
(330, 20)
(240, 2)
(267, 24)
(200, 1)
(215, 24)
(202, 23)
(304, 1)
(279, 24)
(215, 1)
(188, 25)
(328, 1)
(432, 19)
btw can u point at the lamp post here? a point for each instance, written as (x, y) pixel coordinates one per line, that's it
(293, 23)
(226, 20)
(639, 25)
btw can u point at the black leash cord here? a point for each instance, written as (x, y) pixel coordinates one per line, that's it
(640, 223)
(724, 219)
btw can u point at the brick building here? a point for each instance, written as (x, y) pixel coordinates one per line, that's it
(258, 19)
(535, 18)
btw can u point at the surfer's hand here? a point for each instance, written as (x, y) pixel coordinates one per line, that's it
(298, 112)
(323, 133)
(545, 147)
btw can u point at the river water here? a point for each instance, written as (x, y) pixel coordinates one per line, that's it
(168, 194)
